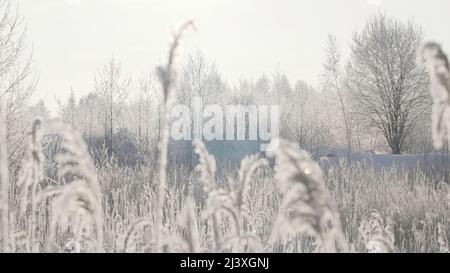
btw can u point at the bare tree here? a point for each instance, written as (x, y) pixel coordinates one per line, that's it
(88, 112)
(15, 71)
(145, 101)
(113, 89)
(200, 78)
(282, 91)
(15, 90)
(68, 111)
(38, 110)
(387, 87)
(262, 87)
(333, 79)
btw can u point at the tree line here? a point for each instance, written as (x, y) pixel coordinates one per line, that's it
(373, 100)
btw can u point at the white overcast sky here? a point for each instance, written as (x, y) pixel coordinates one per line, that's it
(72, 39)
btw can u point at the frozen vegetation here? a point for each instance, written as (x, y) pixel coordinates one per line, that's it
(361, 163)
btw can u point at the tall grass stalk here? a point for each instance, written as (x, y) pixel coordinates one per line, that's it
(31, 175)
(167, 78)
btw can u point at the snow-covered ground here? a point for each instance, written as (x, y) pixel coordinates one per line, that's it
(333, 155)
(230, 153)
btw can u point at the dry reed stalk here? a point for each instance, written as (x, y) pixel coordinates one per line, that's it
(167, 79)
(31, 175)
(438, 67)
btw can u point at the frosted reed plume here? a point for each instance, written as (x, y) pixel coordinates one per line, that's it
(306, 207)
(206, 166)
(167, 78)
(232, 201)
(437, 65)
(248, 167)
(241, 200)
(31, 175)
(377, 237)
(207, 169)
(237, 202)
(79, 203)
(75, 209)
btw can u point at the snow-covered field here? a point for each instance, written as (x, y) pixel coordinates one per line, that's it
(332, 155)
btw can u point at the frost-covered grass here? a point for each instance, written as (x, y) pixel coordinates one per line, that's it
(294, 207)
(411, 203)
